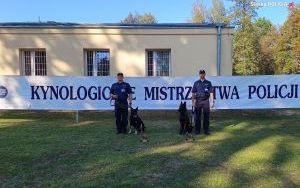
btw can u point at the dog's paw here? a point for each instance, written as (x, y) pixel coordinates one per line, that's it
(144, 140)
(189, 139)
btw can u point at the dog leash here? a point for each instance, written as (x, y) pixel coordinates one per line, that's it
(114, 103)
(111, 102)
(193, 115)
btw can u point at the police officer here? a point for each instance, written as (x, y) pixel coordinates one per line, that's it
(121, 92)
(203, 100)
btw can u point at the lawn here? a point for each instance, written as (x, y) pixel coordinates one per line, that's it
(246, 149)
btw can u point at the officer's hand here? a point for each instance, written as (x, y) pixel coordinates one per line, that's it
(114, 96)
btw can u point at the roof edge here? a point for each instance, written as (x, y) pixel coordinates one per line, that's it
(65, 25)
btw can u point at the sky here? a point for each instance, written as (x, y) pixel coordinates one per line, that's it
(112, 11)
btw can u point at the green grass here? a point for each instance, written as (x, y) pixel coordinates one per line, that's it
(246, 149)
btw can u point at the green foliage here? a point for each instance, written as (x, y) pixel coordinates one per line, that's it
(245, 57)
(287, 52)
(136, 18)
(267, 35)
(245, 39)
(267, 45)
(259, 48)
(263, 26)
(148, 18)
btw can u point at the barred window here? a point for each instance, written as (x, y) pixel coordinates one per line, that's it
(97, 62)
(158, 62)
(34, 62)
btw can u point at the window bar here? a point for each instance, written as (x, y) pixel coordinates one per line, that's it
(94, 64)
(32, 63)
(154, 63)
(27, 63)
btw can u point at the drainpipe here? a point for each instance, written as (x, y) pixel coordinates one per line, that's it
(219, 28)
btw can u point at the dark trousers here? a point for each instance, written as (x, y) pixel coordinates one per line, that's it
(202, 107)
(121, 114)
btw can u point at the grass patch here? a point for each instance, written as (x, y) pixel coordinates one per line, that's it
(246, 149)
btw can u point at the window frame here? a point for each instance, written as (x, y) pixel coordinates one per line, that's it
(95, 71)
(155, 63)
(32, 61)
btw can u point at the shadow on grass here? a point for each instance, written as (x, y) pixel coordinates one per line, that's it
(56, 152)
(184, 173)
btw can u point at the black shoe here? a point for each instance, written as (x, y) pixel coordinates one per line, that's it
(197, 133)
(207, 133)
(119, 132)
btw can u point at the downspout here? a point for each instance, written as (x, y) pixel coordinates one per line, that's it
(219, 28)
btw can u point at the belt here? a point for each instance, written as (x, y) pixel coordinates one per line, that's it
(201, 99)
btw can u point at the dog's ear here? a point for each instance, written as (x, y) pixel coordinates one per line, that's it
(180, 102)
(137, 108)
(184, 103)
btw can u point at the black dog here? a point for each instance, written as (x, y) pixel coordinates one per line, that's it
(186, 127)
(136, 124)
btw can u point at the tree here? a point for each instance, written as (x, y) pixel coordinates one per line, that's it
(287, 57)
(130, 19)
(266, 34)
(245, 39)
(245, 47)
(148, 18)
(199, 12)
(263, 26)
(136, 18)
(267, 45)
(218, 13)
(242, 9)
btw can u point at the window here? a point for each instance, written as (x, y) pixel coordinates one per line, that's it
(158, 62)
(34, 62)
(97, 62)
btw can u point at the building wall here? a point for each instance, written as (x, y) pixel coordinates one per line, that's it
(191, 49)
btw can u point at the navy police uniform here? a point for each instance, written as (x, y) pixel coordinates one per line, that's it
(122, 90)
(202, 90)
